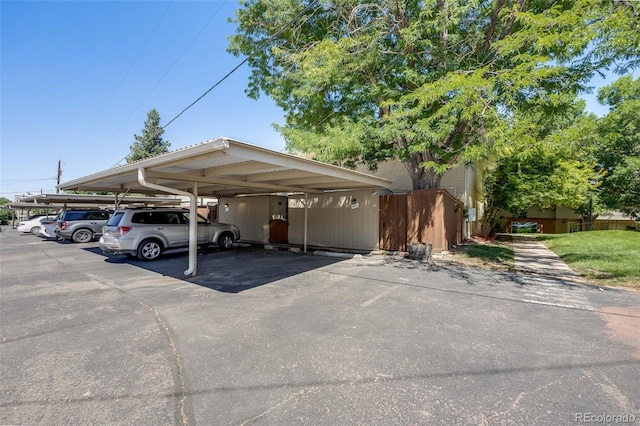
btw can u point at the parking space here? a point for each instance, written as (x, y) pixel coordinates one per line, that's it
(229, 271)
(280, 338)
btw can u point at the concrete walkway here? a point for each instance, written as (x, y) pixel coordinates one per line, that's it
(531, 256)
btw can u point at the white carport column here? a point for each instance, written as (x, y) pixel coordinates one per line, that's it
(193, 230)
(193, 207)
(306, 214)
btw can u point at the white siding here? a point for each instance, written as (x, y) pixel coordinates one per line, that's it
(250, 214)
(332, 222)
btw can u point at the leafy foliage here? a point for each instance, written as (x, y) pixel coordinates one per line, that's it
(542, 161)
(617, 148)
(150, 143)
(5, 214)
(429, 82)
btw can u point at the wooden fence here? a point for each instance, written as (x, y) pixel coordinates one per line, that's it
(431, 216)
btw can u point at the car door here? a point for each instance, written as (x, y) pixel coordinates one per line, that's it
(172, 227)
(97, 220)
(205, 230)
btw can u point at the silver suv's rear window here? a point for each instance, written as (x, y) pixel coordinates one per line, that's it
(115, 219)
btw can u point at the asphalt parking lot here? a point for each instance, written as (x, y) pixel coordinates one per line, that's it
(280, 338)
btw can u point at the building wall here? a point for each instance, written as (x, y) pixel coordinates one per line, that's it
(613, 224)
(251, 215)
(334, 220)
(394, 171)
(454, 182)
(463, 182)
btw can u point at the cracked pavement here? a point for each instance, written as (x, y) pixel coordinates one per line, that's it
(280, 338)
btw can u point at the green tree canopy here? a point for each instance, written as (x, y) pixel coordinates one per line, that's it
(430, 82)
(5, 214)
(617, 149)
(542, 161)
(150, 143)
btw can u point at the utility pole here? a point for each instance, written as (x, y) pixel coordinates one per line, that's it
(59, 175)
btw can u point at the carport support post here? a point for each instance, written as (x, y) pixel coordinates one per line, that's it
(193, 228)
(306, 214)
(193, 223)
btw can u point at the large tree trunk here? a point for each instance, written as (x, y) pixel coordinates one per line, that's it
(421, 178)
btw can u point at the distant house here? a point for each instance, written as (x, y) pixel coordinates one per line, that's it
(557, 220)
(615, 220)
(465, 184)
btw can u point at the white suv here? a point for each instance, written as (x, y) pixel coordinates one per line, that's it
(148, 232)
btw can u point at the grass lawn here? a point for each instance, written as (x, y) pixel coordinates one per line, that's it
(490, 251)
(606, 257)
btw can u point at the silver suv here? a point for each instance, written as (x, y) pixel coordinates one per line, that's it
(148, 232)
(81, 226)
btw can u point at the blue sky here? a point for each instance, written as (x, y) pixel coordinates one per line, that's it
(79, 77)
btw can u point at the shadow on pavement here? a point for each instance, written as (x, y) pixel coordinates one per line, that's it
(232, 271)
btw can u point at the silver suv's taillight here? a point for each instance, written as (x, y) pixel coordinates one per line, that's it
(122, 230)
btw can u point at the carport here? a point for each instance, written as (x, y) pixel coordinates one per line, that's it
(48, 202)
(90, 200)
(224, 167)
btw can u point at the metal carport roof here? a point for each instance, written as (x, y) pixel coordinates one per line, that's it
(224, 167)
(90, 200)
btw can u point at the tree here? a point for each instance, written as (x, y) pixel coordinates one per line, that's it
(150, 143)
(5, 214)
(618, 146)
(543, 160)
(429, 82)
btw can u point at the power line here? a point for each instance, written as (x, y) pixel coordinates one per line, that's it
(109, 139)
(165, 74)
(256, 51)
(14, 181)
(259, 49)
(126, 74)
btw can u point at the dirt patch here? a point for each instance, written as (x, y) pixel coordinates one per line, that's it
(466, 254)
(624, 324)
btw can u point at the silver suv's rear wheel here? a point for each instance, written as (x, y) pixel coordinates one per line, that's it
(82, 236)
(149, 250)
(226, 241)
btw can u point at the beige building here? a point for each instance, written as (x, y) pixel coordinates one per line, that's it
(616, 221)
(463, 182)
(345, 219)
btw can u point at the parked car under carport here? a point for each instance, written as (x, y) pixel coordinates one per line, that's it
(225, 167)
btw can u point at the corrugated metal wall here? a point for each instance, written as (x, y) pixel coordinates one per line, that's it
(251, 215)
(335, 220)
